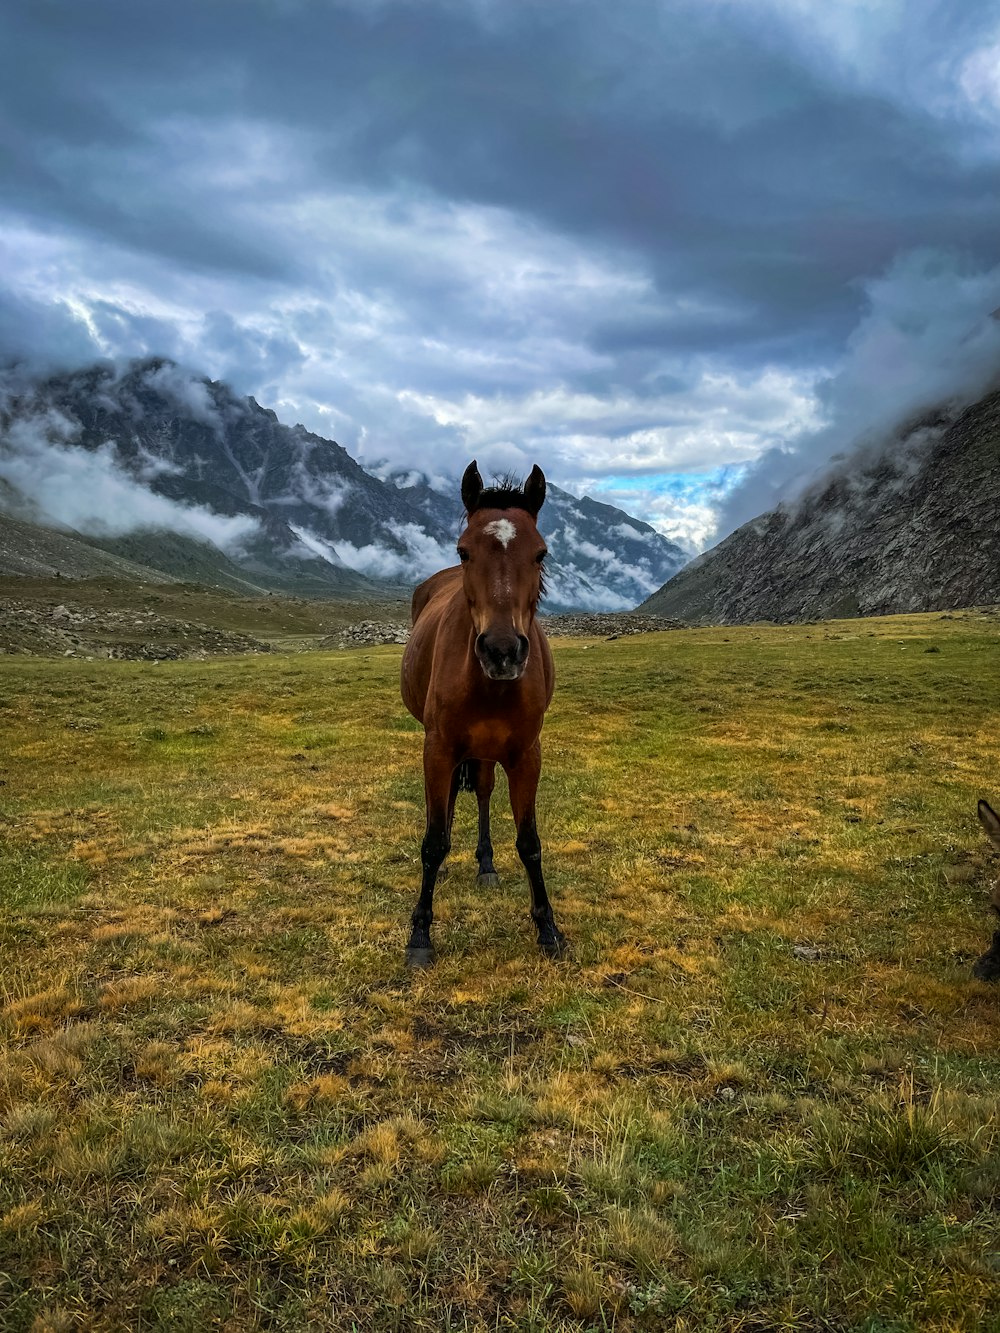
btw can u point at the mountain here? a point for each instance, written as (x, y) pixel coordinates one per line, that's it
(163, 468)
(915, 527)
(33, 551)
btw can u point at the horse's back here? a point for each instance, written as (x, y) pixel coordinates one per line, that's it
(431, 600)
(443, 582)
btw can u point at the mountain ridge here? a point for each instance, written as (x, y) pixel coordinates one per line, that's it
(911, 527)
(219, 488)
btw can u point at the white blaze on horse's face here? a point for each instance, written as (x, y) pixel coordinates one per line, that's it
(503, 529)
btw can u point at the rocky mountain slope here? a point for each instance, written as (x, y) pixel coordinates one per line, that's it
(914, 528)
(30, 550)
(164, 469)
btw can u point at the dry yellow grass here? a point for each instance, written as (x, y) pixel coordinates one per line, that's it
(762, 1094)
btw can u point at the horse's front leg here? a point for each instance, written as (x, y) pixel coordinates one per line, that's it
(484, 782)
(522, 778)
(440, 781)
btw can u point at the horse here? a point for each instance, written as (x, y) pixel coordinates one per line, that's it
(477, 672)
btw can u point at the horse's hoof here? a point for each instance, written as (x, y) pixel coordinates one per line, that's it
(987, 968)
(557, 946)
(488, 880)
(420, 958)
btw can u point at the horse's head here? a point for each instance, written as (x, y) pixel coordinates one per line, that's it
(502, 553)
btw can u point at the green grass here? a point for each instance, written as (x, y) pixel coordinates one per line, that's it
(763, 1094)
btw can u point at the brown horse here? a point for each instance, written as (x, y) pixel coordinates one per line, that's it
(478, 673)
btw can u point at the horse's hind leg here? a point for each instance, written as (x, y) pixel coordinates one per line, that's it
(440, 787)
(987, 968)
(522, 779)
(484, 780)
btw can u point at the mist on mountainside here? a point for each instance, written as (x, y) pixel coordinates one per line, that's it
(121, 453)
(928, 345)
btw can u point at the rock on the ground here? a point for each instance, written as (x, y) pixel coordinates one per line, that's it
(609, 624)
(367, 633)
(44, 630)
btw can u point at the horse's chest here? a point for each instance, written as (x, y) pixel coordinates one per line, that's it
(497, 739)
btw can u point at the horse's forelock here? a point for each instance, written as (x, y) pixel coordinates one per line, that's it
(506, 492)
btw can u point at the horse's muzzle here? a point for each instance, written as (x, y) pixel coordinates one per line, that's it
(503, 656)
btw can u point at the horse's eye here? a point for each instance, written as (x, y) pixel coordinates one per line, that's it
(463, 554)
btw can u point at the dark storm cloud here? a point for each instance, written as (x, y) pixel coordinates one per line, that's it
(43, 332)
(579, 221)
(695, 135)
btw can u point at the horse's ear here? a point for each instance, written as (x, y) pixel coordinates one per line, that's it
(534, 491)
(472, 487)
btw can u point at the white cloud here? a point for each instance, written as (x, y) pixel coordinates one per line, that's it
(722, 418)
(317, 545)
(926, 341)
(979, 80)
(187, 391)
(87, 490)
(150, 465)
(569, 587)
(689, 522)
(422, 556)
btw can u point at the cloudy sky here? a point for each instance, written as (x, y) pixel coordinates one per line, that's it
(653, 246)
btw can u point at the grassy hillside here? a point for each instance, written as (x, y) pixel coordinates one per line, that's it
(763, 1094)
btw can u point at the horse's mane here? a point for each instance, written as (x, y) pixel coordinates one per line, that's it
(506, 492)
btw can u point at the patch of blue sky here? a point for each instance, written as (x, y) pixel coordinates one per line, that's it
(705, 487)
(684, 506)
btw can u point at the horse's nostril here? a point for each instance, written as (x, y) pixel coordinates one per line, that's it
(501, 653)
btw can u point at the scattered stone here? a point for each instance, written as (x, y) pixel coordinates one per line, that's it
(34, 628)
(807, 953)
(367, 633)
(605, 624)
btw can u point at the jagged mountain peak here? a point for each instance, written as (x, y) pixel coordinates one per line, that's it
(121, 452)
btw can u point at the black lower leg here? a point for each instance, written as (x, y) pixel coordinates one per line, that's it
(482, 773)
(488, 876)
(551, 940)
(987, 968)
(435, 847)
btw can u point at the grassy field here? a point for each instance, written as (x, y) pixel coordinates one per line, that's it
(762, 1094)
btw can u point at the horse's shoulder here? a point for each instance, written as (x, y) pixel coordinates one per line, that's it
(544, 650)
